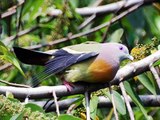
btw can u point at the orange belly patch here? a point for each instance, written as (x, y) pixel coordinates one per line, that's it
(101, 71)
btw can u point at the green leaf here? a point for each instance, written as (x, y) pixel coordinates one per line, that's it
(14, 100)
(153, 23)
(9, 94)
(17, 116)
(119, 102)
(93, 107)
(14, 61)
(73, 96)
(34, 107)
(35, 12)
(156, 63)
(116, 36)
(67, 117)
(135, 99)
(11, 58)
(6, 55)
(106, 93)
(27, 6)
(78, 99)
(146, 82)
(33, 8)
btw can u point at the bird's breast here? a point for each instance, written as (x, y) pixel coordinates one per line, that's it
(102, 71)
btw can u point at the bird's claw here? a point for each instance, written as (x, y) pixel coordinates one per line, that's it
(68, 85)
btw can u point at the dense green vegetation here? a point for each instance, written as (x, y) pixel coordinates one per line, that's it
(31, 24)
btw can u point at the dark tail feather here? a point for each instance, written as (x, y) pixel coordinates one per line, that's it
(37, 79)
(31, 57)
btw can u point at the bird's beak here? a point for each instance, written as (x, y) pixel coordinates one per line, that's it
(130, 57)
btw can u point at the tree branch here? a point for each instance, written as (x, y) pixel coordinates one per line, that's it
(147, 101)
(7, 65)
(113, 103)
(19, 34)
(89, 19)
(126, 72)
(13, 84)
(26, 31)
(104, 9)
(87, 11)
(11, 10)
(126, 99)
(155, 74)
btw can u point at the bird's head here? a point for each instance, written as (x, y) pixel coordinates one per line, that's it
(119, 51)
(124, 52)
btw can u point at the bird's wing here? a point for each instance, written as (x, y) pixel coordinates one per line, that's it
(63, 59)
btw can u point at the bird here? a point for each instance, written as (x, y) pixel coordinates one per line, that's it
(86, 62)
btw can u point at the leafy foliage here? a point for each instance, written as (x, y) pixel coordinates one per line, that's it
(6, 55)
(12, 109)
(34, 24)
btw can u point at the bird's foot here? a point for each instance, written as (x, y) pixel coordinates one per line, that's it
(68, 85)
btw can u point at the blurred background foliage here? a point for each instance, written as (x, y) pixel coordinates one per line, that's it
(139, 31)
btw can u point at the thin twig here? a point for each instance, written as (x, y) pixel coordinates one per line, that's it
(19, 34)
(107, 28)
(87, 21)
(104, 9)
(72, 107)
(130, 111)
(105, 33)
(56, 102)
(5, 66)
(113, 103)
(87, 96)
(19, 16)
(14, 84)
(92, 17)
(155, 74)
(11, 10)
(26, 31)
(125, 35)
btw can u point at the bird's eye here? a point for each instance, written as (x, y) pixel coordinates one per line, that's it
(121, 48)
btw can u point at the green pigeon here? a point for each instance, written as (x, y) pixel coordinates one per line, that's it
(92, 63)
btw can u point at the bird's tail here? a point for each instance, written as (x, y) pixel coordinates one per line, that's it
(31, 57)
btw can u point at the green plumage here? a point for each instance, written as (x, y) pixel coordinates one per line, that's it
(79, 72)
(83, 48)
